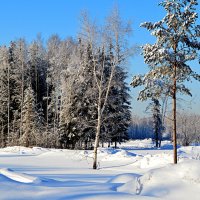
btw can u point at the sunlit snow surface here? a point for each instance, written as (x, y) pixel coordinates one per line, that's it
(136, 170)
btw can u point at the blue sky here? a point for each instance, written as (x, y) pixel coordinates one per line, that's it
(27, 18)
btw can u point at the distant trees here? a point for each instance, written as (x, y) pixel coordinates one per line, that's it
(188, 128)
(176, 45)
(141, 127)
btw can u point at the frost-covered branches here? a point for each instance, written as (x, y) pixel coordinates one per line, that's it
(168, 59)
(188, 128)
(177, 43)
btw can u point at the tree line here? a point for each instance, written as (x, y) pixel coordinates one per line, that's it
(72, 93)
(66, 93)
(188, 128)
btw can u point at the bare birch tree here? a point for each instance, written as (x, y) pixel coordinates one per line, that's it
(112, 38)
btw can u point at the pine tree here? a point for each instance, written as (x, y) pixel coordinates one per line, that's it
(168, 59)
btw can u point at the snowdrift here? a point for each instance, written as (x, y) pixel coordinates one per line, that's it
(136, 170)
(165, 182)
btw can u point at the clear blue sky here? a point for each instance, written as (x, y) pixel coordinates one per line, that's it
(27, 18)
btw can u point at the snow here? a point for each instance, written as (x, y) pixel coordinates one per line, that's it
(18, 177)
(136, 170)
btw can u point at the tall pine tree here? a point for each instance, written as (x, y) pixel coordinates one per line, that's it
(168, 59)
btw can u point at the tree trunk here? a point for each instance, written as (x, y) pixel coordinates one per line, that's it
(108, 144)
(8, 106)
(96, 144)
(156, 137)
(174, 112)
(3, 142)
(115, 144)
(22, 100)
(36, 85)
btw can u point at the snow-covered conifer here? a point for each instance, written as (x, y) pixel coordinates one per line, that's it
(29, 127)
(155, 110)
(4, 65)
(168, 59)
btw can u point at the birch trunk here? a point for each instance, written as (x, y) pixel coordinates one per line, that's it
(98, 130)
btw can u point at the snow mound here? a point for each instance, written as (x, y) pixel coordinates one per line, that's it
(117, 155)
(145, 144)
(24, 150)
(155, 161)
(108, 154)
(189, 171)
(138, 144)
(123, 178)
(18, 177)
(191, 152)
(48, 154)
(165, 181)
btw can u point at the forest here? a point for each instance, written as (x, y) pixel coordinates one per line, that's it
(105, 109)
(70, 93)
(56, 94)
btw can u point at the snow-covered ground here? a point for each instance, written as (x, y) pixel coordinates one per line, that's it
(134, 171)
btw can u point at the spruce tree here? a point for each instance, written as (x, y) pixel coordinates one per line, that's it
(29, 119)
(77, 114)
(117, 112)
(154, 107)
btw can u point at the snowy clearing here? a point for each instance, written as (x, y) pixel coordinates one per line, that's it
(134, 171)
